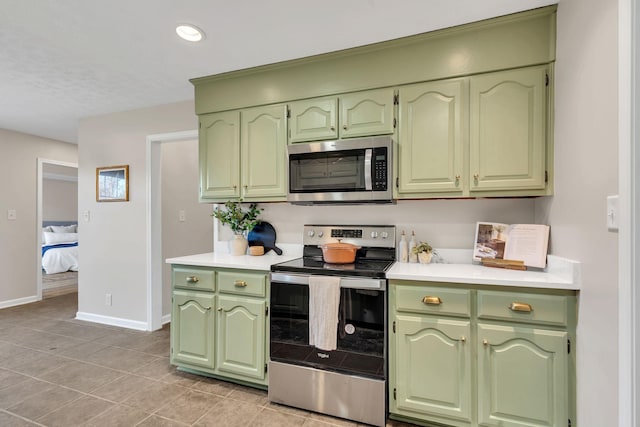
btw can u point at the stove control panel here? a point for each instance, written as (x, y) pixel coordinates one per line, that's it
(382, 236)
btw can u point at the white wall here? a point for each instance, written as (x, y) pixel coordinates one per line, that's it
(180, 182)
(18, 242)
(114, 240)
(59, 200)
(586, 171)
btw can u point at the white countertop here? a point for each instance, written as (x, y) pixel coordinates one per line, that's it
(561, 273)
(245, 262)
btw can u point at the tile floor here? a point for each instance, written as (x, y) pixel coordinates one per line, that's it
(58, 371)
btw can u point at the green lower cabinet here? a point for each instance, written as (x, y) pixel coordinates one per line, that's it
(475, 355)
(221, 331)
(522, 376)
(192, 328)
(433, 363)
(241, 317)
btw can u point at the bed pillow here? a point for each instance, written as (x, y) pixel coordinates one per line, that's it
(57, 238)
(64, 228)
(46, 229)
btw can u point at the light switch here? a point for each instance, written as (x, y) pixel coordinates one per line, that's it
(182, 215)
(86, 216)
(612, 213)
(11, 214)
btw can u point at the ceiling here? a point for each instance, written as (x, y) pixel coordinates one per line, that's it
(64, 60)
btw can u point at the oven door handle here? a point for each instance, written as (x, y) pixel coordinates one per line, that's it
(345, 282)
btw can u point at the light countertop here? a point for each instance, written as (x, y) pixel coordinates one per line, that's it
(561, 273)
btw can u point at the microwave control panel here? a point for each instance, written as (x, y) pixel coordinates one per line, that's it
(379, 169)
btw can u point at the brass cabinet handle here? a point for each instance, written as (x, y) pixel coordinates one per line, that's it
(485, 342)
(192, 279)
(476, 176)
(520, 306)
(235, 186)
(333, 128)
(344, 127)
(240, 283)
(457, 179)
(431, 300)
(219, 308)
(463, 339)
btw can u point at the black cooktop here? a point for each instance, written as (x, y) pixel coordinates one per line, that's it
(364, 267)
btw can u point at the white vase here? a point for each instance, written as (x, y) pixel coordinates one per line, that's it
(425, 257)
(238, 245)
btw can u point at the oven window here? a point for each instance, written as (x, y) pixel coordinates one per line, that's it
(360, 329)
(327, 171)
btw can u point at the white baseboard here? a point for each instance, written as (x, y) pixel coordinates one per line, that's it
(113, 321)
(18, 301)
(166, 319)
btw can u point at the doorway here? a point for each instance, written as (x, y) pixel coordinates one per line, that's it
(177, 224)
(57, 201)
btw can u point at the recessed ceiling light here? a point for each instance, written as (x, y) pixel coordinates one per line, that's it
(190, 32)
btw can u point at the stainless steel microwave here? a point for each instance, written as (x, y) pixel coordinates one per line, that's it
(343, 171)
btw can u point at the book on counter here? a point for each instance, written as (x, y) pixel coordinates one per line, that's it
(514, 242)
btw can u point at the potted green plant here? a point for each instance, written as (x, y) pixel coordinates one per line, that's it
(424, 252)
(240, 221)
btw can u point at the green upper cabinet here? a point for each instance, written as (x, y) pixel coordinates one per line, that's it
(508, 130)
(522, 376)
(346, 116)
(431, 136)
(219, 154)
(263, 145)
(242, 155)
(192, 328)
(313, 119)
(367, 113)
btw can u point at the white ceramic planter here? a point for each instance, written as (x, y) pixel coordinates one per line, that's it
(425, 257)
(238, 245)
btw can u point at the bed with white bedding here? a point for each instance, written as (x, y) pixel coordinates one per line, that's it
(59, 246)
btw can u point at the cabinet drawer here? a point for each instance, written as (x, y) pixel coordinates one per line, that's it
(523, 307)
(194, 278)
(433, 300)
(232, 282)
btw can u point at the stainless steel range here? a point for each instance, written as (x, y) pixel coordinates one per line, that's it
(350, 380)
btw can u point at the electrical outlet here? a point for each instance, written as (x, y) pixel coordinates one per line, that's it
(11, 214)
(107, 299)
(182, 215)
(86, 215)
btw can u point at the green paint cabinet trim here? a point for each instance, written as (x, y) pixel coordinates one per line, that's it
(508, 130)
(222, 332)
(241, 336)
(432, 137)
(219, 156)
(313, 120)
(193, 328)
(511, 41)
(477, 362)
(522, 376)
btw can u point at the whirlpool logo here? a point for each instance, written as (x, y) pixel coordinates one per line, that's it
(323, 355)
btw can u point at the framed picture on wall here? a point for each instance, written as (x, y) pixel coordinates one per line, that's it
(112, 184)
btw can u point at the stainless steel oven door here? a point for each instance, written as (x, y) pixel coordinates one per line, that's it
(361, 348)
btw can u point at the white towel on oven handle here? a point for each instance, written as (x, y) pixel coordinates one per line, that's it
(324, 303)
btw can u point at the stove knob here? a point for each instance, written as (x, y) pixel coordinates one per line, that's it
(320, 234)
(384, 234)
(311, 233)
(374, 234)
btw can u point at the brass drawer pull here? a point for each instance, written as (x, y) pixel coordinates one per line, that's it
(219, 308)
(429, 300)
(240, 283)
(485, 342)
(463, 339)
(192, 279)
(521, 306)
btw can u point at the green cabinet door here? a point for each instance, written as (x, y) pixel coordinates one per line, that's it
(219, 154)
(433, 369)
(366, 113)
(508, 130)
(192, 328)
(431, 136)
(241, 336)
(313, 120)
(522, 376)
(263, 146)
